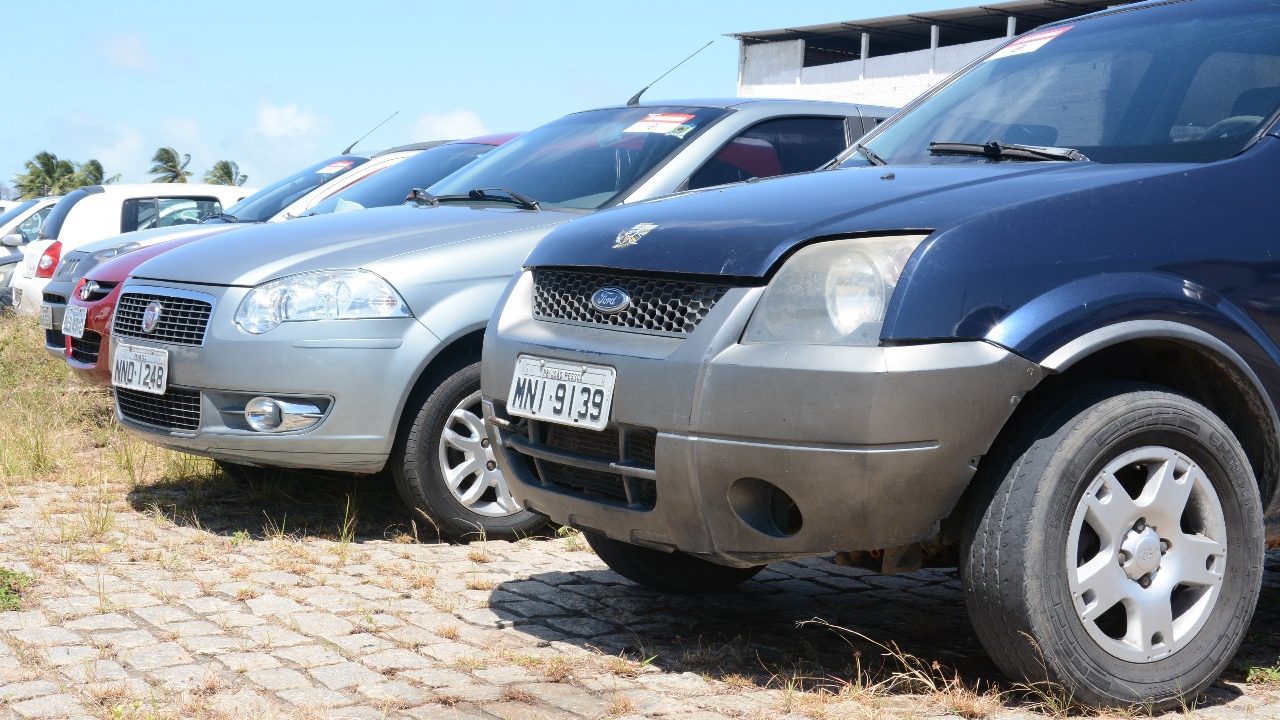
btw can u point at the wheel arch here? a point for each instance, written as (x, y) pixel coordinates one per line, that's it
(1186, 359)
(460, 349)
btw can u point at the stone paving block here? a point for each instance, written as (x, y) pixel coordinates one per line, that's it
(244, 702)
(309, 656)
(24, 690)
(163, 614)
(49, 706)
(196, 675)
(245, 661)
(107, 621)
(570, 698)
(273, 636)
(96, 671)
(45, 636)
(278, 678)
(273, 605)
(315, 697)
(434, 677)
(393, 659)
(125, 639)
(320, 624)
(154, 657)
(393, 691)
(361, 643)
(69, 655)
(344, 675)
(581, 626)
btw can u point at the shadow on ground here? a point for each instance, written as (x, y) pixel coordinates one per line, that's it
(283, 503)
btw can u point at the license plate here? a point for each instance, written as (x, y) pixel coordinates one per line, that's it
(562, 392)
(140, 368)
(46, 316)
(17, 298)
(73, 321)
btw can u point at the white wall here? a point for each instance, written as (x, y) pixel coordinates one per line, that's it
(775, 70)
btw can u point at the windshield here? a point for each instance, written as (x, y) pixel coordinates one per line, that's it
(269, 201)
(1183, 82)
(16, 211)
(390, 186)
(584, 160)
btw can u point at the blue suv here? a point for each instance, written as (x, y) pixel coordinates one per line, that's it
(1028, 327)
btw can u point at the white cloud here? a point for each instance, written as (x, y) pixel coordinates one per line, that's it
(450, 125)
(127, 53)
(119, 148)
(287, 122)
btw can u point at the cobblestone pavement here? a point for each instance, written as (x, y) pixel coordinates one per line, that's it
(200, 598)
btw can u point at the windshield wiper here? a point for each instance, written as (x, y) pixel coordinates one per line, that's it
(995, 150)
(422, 197)
(224, 217)
(509, 196)
(870, 154)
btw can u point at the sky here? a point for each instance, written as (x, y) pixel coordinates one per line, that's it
(276, 85)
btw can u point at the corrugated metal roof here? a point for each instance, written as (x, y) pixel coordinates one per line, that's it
(903, 33)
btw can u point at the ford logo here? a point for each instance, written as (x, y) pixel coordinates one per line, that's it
(610, 300)
(151, 316)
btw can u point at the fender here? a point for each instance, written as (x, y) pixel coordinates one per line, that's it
(1072, 322)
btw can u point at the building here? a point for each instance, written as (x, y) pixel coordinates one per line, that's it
(888, 60)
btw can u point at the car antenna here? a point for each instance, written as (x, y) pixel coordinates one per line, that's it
(635, 99)
(375, 127)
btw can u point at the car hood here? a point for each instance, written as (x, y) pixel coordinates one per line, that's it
(743, 230)
(146, 238)
(345, 240)
(118, 268)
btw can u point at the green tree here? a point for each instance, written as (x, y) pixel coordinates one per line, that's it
(46, 175)
(91, 173)
(225, 172)
(169, 167)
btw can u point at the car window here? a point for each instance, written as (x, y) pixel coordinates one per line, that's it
(775, 147)
(269, 201)
(30, 228)
(144, 213)
(1195, 86)
(12, 213)
(390, 186)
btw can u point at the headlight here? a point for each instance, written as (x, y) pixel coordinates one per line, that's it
(114, 251)
(320, 295)
(832, 293)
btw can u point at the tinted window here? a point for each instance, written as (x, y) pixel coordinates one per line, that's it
(145, 213)
(53, 224)
(269, 201)
(774, 147)
(391, 185)
(1183, 82)
(584, 160)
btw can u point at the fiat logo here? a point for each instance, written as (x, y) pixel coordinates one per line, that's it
(610, 300)
(151, 316)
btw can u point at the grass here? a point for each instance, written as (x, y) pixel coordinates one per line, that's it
(12, 585)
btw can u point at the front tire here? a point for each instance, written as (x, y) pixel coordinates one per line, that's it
(445, 471)
(670, 572)
(1115, 547)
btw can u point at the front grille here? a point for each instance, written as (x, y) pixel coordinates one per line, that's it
(52, 298)
(631, 447)
(55, 339)
(85, 349)
(182, 320)
(66, 269)
(658, 306)
(176, 409)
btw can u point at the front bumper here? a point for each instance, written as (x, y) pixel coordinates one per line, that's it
(32, 291)
(358, 371)
(89, 356)
(55, 294)
(873, 446)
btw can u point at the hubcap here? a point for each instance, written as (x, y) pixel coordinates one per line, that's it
(467, 461)
(1146, 554)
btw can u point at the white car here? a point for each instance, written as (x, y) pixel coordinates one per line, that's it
(98, 211)
(19, 225)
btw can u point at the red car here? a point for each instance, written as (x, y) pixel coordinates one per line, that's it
(87, 345)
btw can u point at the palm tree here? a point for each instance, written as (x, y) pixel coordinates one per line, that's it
(91, 173)
(169, 167)
(45, 175)
(225, 172)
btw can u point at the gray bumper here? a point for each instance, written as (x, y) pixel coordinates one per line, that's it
(357, 371)
(53, 339)
(873, 445)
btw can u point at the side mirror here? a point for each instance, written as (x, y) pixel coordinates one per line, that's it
(13, 240)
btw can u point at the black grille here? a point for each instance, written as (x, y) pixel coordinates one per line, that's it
(660, 307)
(177, 409)
(85, 349)
(55, 339)
(182, 320)
(55, 299)
(636, 449)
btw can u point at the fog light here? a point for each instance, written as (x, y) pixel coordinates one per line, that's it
(266, 414)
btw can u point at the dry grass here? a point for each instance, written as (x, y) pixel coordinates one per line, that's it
(511, 693)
